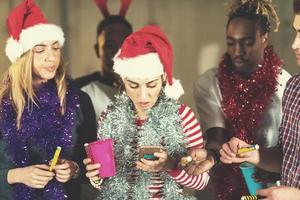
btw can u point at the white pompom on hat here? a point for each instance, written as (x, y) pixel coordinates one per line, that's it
(28, 27)
(148, 53)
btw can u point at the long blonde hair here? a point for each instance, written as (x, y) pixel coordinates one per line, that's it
(18, 85)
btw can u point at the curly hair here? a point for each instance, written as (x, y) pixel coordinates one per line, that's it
(260, 11)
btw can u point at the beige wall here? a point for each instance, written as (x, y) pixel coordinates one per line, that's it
(195, 28)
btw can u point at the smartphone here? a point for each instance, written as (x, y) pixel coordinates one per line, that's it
(147, 152)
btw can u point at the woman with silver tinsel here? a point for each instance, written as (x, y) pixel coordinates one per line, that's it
(147, 113)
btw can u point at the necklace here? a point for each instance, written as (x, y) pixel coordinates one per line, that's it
(244, 103)
(162, 124)
(245, 100)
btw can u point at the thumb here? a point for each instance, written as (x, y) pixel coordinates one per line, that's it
(42, 166)
(61, 161)
(199, 154)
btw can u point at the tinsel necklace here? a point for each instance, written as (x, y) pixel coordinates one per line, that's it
(43, 128)
(245, 100)
(163, 123)
(244, 103)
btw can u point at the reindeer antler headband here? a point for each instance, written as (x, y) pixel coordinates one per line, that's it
(102, 5)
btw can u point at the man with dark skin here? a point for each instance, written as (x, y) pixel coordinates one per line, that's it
(241, 98)
(97, 90)
(101, 85)
(245, 45)
(284, 157)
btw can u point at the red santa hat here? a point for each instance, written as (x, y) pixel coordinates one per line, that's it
(28, 27)
(147, 53)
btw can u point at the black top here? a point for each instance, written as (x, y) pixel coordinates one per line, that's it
(96, 76)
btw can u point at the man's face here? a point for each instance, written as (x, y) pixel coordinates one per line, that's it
(109, 41)
(296, 43)
(245, 45)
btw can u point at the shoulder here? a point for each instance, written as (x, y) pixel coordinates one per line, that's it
(7, 111)
(185, 112)
(117, 109)
(87, 79)
(284, 77)
(6, 103)
(84, 97)
(293, 82)
(207, 78)
(207, 75)
(72, 90)
(207, 85)
(282, 80)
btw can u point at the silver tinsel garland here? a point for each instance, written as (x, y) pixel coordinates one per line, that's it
(163, 125)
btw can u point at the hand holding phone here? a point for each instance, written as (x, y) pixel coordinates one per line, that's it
(147, 152)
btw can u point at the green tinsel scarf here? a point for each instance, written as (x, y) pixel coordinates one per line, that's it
(163, 124)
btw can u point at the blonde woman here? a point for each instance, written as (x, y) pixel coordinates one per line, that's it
(38, 111)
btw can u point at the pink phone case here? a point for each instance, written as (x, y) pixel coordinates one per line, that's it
(102, 152)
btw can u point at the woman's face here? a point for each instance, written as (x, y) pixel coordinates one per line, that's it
(46, 59)
(143, 92)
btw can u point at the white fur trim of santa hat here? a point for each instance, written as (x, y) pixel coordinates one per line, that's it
(146, 66)
(142, 66)
(175, 90)
(32, 36)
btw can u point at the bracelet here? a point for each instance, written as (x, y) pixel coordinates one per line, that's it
(96, 184)
(215, 155)
(77, 171)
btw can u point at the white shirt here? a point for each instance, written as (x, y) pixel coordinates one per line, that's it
(101, 95)
(208, 99)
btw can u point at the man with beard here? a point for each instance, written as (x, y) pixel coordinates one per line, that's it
(284, 157)
(242, 97)
(101, 85)
(97, 90)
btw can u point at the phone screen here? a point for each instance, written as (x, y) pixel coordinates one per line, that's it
(147, 152)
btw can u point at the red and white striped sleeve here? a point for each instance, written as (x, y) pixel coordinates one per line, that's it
(194, 138)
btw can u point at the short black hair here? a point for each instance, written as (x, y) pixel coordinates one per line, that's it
(296, 5)
(248, 11)
(112, 19)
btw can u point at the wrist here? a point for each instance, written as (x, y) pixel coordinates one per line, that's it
(215, 155)
(96, 184)
(13, 176)
(254, 158)
(76, 170)
(171, 164)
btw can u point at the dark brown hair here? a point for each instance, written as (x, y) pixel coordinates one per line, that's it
(260, 11)
(296, 5)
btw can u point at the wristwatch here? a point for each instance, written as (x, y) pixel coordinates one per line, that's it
(77, 170)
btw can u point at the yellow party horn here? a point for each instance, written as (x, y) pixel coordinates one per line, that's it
(251, 197)
(247, 149)
(55, 158)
